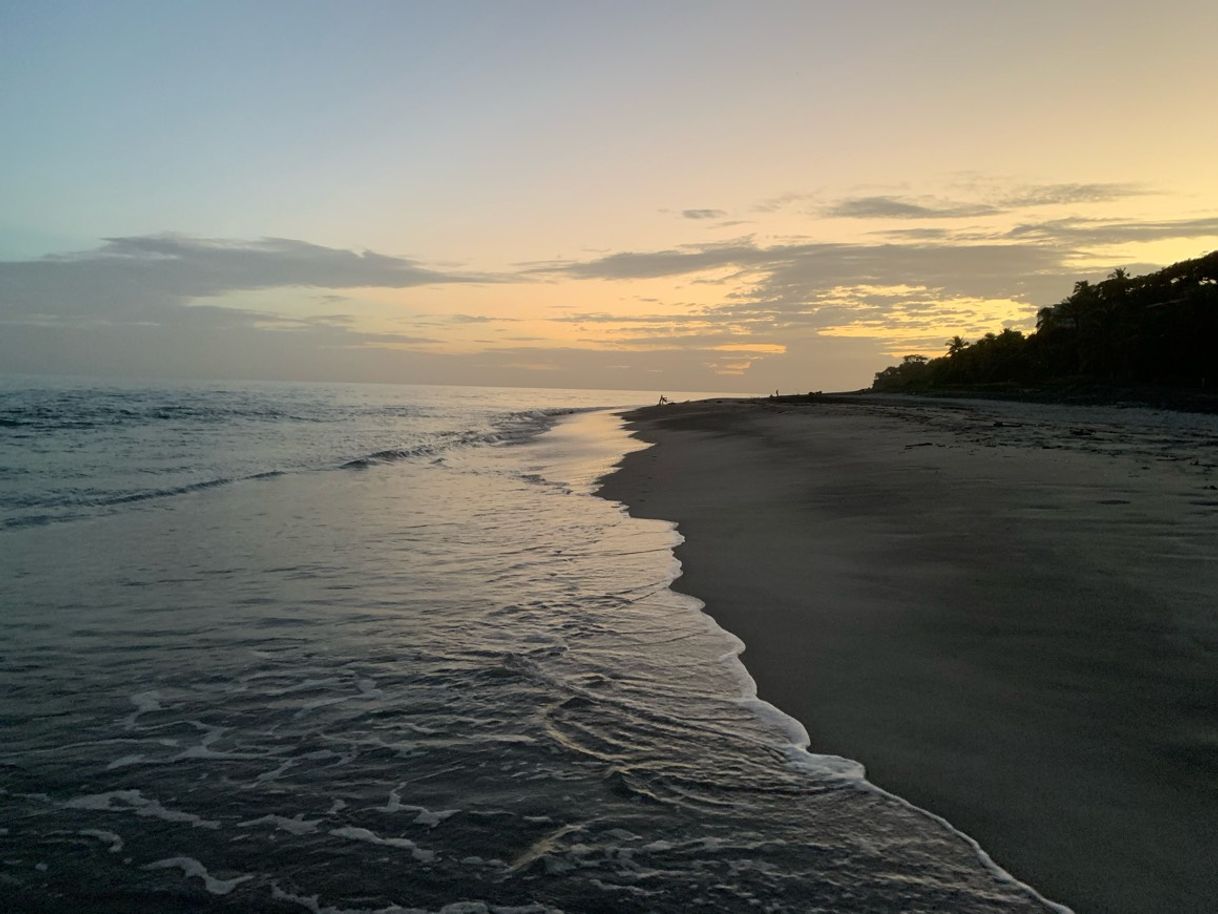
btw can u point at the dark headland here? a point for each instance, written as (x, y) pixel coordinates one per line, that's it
(1006, 611)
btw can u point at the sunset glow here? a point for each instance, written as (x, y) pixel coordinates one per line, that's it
(491, 194)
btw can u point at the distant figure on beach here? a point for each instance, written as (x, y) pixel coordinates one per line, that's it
(663, 401)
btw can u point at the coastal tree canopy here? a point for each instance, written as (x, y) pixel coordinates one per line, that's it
(1161, 329)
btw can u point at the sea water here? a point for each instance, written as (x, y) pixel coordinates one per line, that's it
(273, 647)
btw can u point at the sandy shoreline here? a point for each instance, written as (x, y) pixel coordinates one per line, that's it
(1005, 611)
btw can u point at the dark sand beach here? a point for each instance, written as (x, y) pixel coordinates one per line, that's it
(1006, 611)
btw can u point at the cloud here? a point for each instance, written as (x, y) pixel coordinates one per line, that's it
(140, 276)
(477, 319)
(156, 303)
(901, 293)
(792, 274)
(655, 264)
(994, 199)
(533, 366)
(703, 213)
(333, 318)
(915, 234)
(1100, 231)
(784, 286)
(1057, 194)
(773, 204)
(151, 301)
(973, 270)
(607, 317)
(712, 341)
(731, 367)
(884, 207)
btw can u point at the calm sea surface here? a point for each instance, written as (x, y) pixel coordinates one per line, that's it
(359, 648)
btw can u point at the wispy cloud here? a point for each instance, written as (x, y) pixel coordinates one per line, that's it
(477, 319)
(1106, 231)
(780, 201)
(1057, 194)
(703, 213)
(916, 234)
(654, 264)
(989, 197)
(607, 317)
(884, 207)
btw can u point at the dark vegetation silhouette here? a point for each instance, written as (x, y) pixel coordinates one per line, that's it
(1158, 330)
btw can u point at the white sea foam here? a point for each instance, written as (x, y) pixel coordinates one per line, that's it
(424, 816)
(432, 818)
(134, 801)
(353, 833)
(297, 825)
(145, 703)
(191, 867)
(124, 761)
(203, 749)
(276, 772)
(114, 840)
(313, 903)
(394, 803)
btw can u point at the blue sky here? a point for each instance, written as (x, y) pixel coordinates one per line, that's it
(512, 151)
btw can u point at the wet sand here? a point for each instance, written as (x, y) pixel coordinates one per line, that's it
(1008, 612)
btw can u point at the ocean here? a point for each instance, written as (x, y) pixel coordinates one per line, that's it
(356, 648)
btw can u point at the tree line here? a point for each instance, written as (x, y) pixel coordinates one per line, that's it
(1157, 329)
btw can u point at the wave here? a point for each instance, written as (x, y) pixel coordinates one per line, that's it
(116, 500)
(504, 429)
(509, 428)
(101, 410)
(70, 417)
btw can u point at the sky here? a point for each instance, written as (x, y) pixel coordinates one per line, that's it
(664, 196)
